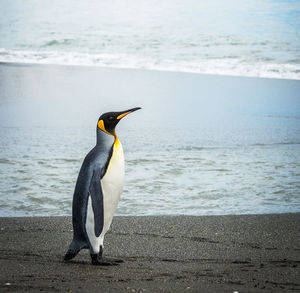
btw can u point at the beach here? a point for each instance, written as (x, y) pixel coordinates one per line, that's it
(247, 253)
(211, 194)
(215, 145)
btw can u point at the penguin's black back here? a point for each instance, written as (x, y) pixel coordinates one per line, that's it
(88, 183)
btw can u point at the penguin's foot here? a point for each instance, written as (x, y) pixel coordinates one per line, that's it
(97, 259)
(70, 254)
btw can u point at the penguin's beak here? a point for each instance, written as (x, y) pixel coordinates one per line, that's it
(124, 113)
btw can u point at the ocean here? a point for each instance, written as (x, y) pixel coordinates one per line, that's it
(243, 38)
(202, 144)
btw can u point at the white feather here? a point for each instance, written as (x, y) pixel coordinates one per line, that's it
(112, 187)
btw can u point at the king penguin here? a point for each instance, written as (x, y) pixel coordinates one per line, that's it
(98, 190)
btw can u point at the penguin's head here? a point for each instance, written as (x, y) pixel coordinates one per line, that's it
(108, 121)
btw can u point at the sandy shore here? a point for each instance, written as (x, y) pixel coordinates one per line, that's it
(162, 254)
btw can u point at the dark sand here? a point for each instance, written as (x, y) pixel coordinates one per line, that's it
(162, 254)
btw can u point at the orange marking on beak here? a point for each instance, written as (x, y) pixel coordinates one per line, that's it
(122, 115)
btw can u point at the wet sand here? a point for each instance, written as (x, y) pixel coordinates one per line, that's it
(248, 253)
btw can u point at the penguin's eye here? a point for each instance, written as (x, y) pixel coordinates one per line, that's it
(111, 118)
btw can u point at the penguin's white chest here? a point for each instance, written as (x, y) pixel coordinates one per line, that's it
(112, 184)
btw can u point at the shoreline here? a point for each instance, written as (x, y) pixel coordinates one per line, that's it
(152, 216)
(101, 67)
(245, 253)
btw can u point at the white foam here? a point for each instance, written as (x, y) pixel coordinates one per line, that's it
(221, 66)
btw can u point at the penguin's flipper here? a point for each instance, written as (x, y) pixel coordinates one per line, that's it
(95, 191)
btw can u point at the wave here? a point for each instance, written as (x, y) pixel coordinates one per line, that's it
(237, 146)
(58, 43)
(276, 143)
(220, 66)
(276, 116)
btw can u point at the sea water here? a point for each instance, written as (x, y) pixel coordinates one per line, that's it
(200, 145)
(246, 38)
(189, 152)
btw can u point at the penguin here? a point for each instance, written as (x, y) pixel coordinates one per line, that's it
(98, 190)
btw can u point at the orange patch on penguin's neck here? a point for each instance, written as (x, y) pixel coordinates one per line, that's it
(117, 142)
(102, 127)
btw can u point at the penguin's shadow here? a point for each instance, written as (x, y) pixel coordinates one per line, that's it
(75, 261)
(83, 263)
